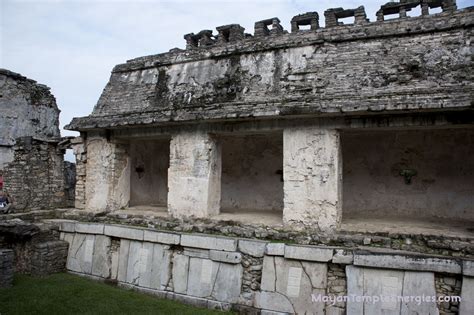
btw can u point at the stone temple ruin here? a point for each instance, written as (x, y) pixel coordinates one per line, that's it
(335, 161)
(31, 147)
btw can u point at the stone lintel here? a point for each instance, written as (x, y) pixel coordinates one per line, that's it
(254, 248)
(309, 253)
(89, 228)
(407, 262)
(468, 268)
(209, 242)
(67, 226)
(275, 249)
(161, 237)
(226, 257)
(124, 232)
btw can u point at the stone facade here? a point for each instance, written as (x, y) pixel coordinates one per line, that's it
(312, 92)
(28, 109)
(257, 276)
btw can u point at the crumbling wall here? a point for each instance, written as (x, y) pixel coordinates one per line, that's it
(28, 109)
(413, 173)
(35, 178)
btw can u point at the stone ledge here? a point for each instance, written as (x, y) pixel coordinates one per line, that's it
(161, 237)
(255, 248)
(468, 268)
(343, 256)
(67, 226)
(406, 262)
(124, 232)
(275, 249)
(90, 228)
(209, 242)
(226, 257)
(195, 252)
(309, 253)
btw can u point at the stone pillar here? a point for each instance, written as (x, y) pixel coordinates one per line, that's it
(194, 175)
(312, 170)
(107, 174)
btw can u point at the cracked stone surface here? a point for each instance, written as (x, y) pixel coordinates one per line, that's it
(80, 253)
(372, 282)
(288, 282)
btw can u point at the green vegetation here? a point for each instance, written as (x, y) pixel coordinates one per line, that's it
(70, 294)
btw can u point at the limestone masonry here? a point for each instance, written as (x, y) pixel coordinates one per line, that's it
(292, 124)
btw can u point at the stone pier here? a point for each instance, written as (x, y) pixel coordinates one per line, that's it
(313, 177)
(194, 175)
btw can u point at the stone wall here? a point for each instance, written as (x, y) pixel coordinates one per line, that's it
(252, 172)
(49, 257)
(149, 172)
(28, 109)
(251, 275)
(35, 179)
(35, 247)
(405, 64)
(440, 183)
(6, 268)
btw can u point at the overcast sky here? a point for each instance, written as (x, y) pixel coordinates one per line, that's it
(72, 45)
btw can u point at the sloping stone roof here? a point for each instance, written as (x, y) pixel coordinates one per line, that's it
(400, 65)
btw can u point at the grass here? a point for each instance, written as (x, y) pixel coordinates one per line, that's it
(69, 294)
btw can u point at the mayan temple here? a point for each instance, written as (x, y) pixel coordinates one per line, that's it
(262, 172)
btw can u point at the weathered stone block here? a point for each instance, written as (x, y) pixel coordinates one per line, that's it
(68, 226)
(124, 232)
(136, 260)
(252, 248)
(80, 253)
(100, 259)
(161, 237)
(308, 253)
(293, 282)
(195, 252)
(180, 273)
(419, 284)
(202, 275)
(342, 256)
(467, 296)
(228, 283)
(227, 257)
(209, 242)
(273, 301)
(89, 228)
(468, 268)
(123, 260)
(275, 249)
(407, 262)
(389, 283)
